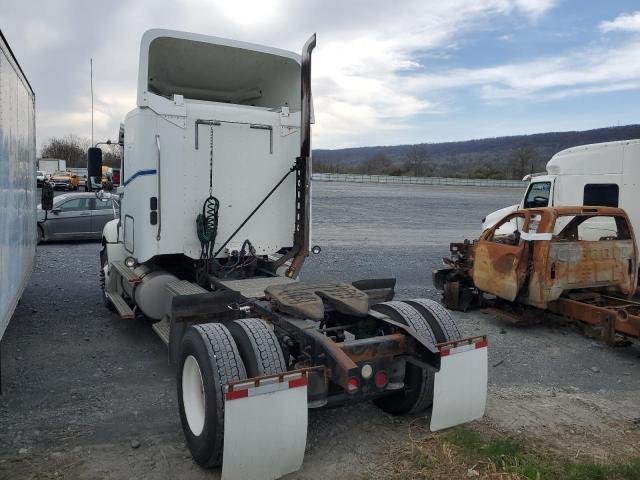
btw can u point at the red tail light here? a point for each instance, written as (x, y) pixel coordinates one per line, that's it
(353, 385)
(381, 379)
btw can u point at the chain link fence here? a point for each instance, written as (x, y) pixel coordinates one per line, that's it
(467, 182)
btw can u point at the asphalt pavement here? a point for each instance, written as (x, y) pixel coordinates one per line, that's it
(87, 395)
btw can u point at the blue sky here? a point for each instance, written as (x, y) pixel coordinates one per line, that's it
(567, 29)
(384, 73)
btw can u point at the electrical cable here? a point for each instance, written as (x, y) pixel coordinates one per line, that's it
(207, 221)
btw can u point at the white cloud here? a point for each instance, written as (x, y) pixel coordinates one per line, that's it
(535, 8)
(366, 66)
(363, 74)
(627, 22)
(592, 70)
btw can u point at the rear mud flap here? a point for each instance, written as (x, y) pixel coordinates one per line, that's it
(265, 427)
(460, 388)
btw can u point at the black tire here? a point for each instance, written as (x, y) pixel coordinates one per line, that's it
(442, 324)
(213, 348)
(103, 282)
(258, 347)
(418, 392)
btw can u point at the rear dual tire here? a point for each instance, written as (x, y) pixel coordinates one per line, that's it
(213, 355)
(433, 323)
(209, 360)
(258, 347)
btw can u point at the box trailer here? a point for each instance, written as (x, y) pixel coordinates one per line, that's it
(17, 182)
(52, 165)
(215, 224)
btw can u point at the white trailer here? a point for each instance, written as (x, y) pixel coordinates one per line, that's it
(215, 219)
(52, 165)
(17, 182)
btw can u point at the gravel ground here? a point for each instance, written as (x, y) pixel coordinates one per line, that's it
(86, 395)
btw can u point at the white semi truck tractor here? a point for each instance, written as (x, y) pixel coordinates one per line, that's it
(215, 220)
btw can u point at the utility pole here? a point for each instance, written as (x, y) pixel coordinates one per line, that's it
(91, 74)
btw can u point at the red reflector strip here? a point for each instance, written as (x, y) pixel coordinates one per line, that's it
(235, 394)
(445, 352)
(482, 343)
(298, 382)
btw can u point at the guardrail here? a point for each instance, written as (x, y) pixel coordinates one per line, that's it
(468, 182)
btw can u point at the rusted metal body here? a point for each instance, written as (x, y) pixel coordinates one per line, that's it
(580, 262)
(611, 315)
(546, 256)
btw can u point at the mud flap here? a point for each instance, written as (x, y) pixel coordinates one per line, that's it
(460, 388)
(265, 427)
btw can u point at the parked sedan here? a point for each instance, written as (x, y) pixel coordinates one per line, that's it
(75, 216)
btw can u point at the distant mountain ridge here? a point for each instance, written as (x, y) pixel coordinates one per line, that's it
(487, 154)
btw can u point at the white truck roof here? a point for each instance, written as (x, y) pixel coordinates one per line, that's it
(593, 159)
(189, 64)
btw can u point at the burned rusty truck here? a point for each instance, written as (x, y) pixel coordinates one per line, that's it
(214, 226)
(578, 262)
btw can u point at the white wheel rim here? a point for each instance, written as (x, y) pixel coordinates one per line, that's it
(193, 397)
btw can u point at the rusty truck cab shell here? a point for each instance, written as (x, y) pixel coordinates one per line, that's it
(536, 268)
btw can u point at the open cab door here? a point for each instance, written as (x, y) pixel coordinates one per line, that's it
(500, 259)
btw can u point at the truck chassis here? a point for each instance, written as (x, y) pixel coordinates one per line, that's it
(352, 341)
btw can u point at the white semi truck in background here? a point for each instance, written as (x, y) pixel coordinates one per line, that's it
(17, 182)
(601, 174)
(214, 226)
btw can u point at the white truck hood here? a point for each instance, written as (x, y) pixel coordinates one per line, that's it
(493, 218)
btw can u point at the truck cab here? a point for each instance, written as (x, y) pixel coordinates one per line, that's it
(601, 174)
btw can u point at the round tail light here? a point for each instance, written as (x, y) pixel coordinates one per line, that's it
(353, 385)
(381, 379)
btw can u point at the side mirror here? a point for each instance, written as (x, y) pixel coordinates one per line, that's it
(94, 163)
(55, 211)
(46, 198)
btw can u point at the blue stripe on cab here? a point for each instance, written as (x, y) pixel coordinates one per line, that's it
(139, 173)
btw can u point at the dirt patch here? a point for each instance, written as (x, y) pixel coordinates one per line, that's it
(569, 422)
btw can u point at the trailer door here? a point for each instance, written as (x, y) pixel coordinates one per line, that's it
(500, 258)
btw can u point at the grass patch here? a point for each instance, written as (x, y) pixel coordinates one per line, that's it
(465, 453)
(509, 455)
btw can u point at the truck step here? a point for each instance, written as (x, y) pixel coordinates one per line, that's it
(126, 272)
(162, 329)
(123, 309)
(182, 287)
